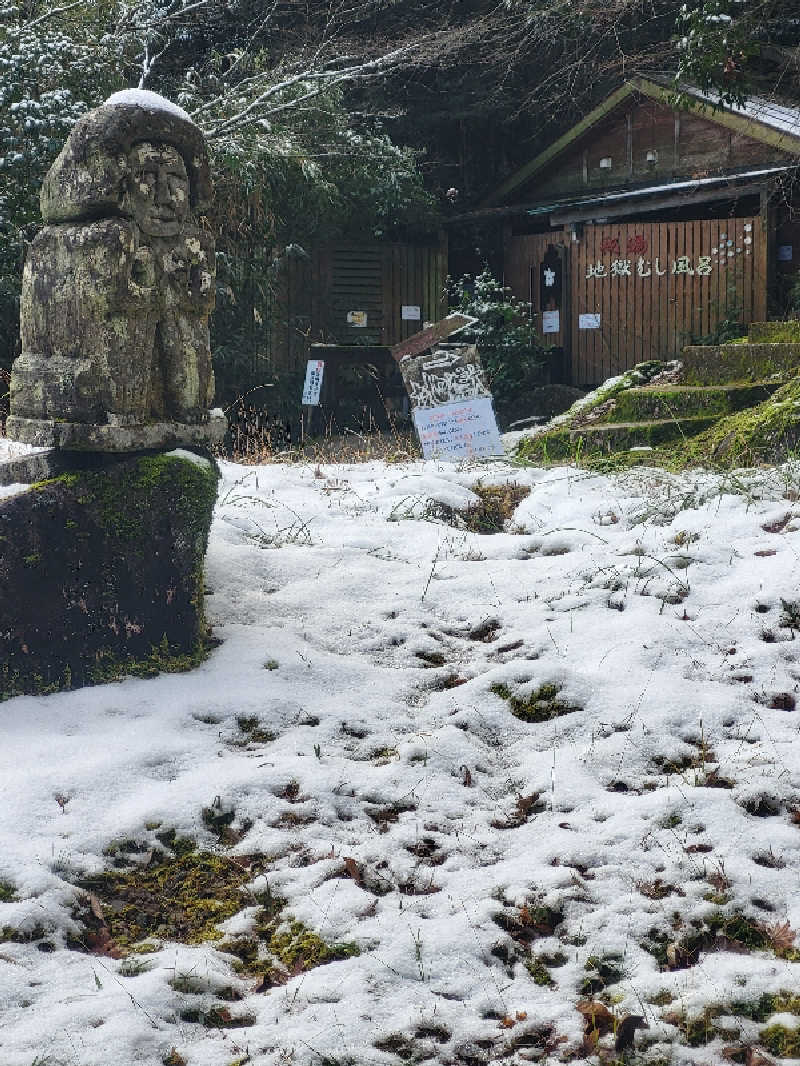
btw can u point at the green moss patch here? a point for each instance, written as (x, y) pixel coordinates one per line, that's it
(182, 898)
(774, 332)
(298, 948)
(540, 705)
(252, 730)
(737, 362)
(217, 1016)
(7, 891)
(781, 1041)
(715, 1022)
(681, 401)
(765, 434)
(601, 970)
(163, 658)
(718, 931)
(539, 972)
(279, 948)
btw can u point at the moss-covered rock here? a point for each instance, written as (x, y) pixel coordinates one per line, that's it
(681, 401)
(774, 332)
(720, 363)
(101, 572)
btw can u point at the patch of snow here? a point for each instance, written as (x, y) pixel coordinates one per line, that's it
(13, 449)
(149, 100)
(191, 457)
(651, 599)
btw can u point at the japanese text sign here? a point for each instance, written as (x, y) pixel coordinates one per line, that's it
(466, 430)
(313, 382)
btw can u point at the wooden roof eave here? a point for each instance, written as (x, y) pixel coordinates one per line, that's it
(659, 203)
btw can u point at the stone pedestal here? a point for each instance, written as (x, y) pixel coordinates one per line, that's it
(101, 571)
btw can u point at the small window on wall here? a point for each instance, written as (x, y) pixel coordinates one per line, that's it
(605, 162)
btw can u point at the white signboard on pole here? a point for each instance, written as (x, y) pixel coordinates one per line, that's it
(313, 382)
(463, 430)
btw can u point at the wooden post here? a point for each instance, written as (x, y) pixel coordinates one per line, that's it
(426, 338)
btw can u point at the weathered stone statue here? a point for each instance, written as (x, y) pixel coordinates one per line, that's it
(118, 287)
(101, 561)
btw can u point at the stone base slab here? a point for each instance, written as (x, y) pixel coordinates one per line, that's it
(101, 571)
(25, 469)
(84, 437)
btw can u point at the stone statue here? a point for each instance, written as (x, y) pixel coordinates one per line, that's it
(118, 287)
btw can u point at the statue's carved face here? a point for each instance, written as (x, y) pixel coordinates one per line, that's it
(158, 189)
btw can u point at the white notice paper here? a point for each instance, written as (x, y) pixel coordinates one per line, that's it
(589, 321)
(551, 322)
(411, 313)
(313, 382)
(463, 430)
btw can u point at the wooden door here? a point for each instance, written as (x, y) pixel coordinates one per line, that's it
(537, 271)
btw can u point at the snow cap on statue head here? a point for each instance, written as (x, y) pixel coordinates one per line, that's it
(89, 178)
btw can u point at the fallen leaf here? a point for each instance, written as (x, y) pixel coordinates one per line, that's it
(353, 868)
(596, 1015)
(781, 935)
(756, 1057)
(96, 907)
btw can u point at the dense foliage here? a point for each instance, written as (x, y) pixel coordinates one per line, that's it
(512, 352)
(329, 118)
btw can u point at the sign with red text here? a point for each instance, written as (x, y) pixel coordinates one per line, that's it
(464, 430)
(451, 404)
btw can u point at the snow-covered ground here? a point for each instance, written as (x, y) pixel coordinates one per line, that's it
(366, 635)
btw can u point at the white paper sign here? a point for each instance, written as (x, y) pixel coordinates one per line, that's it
(313, 382)
(551, 321)
(465, 430)
(588, 321)
(785, 253)
(411, 313)
(357, 318)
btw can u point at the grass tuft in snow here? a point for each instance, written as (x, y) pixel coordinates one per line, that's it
(495, 506)
(541, 705)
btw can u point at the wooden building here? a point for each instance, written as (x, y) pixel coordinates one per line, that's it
(644, 227)
(359, 297)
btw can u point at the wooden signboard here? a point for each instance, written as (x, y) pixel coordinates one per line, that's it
(426, 338)
(451, 404)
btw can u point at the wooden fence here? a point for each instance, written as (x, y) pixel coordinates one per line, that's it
(641, 290)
